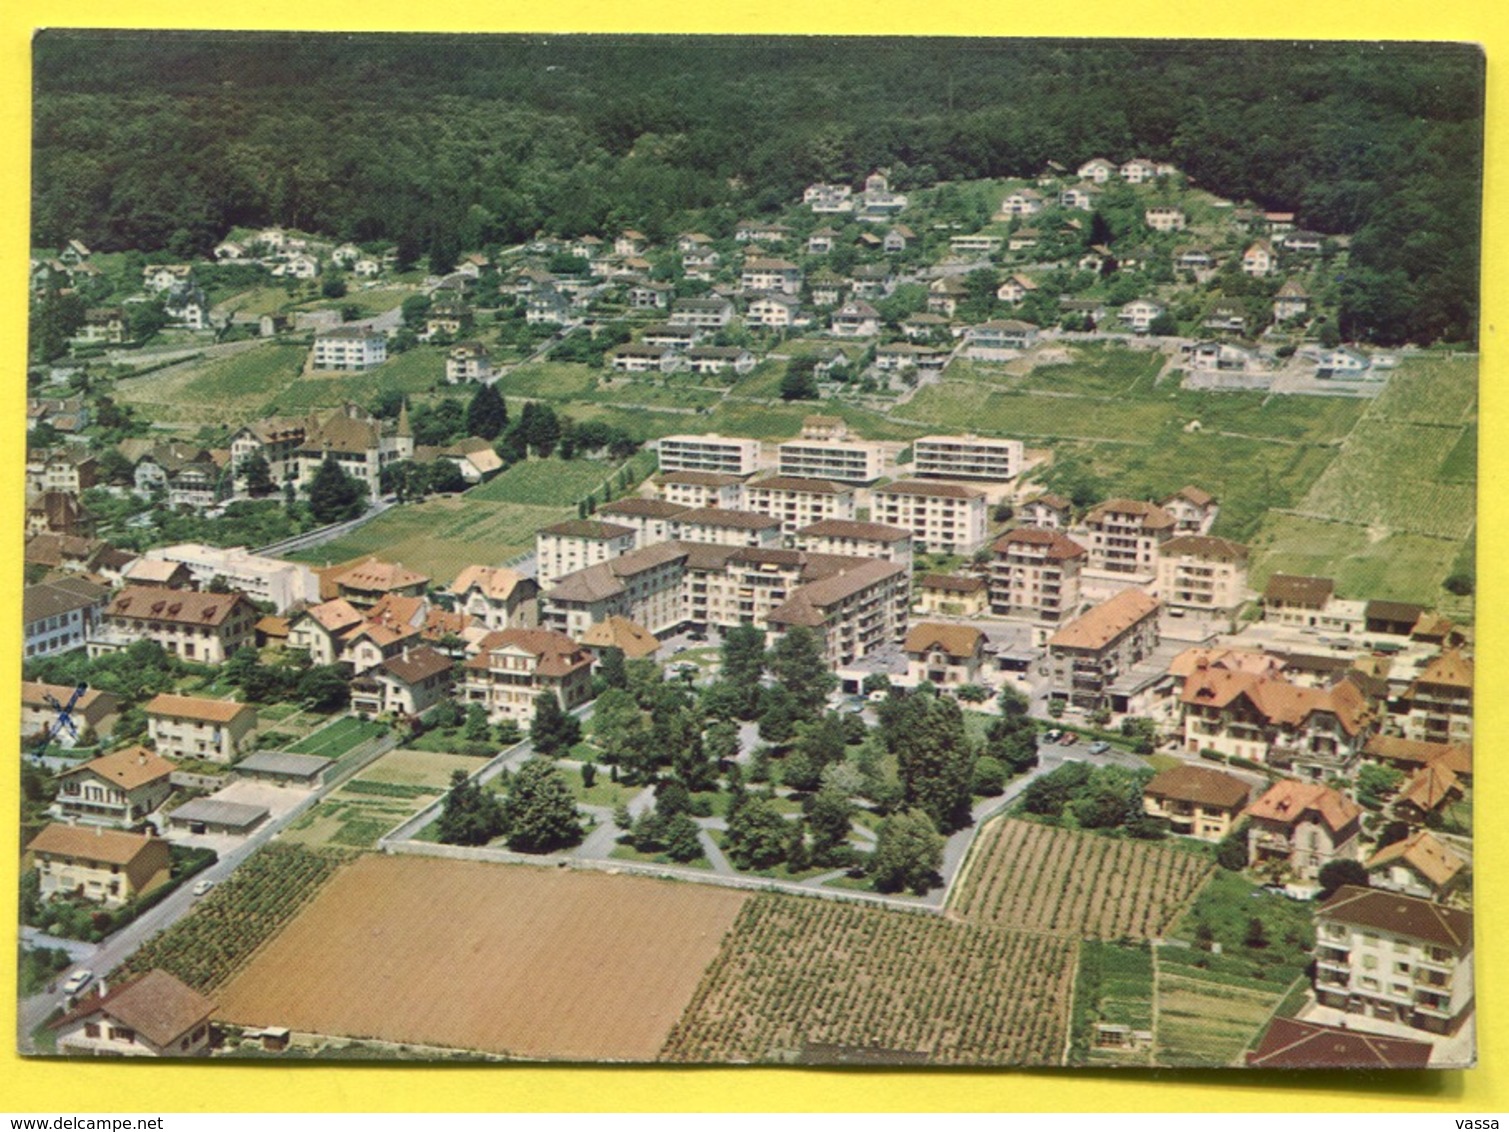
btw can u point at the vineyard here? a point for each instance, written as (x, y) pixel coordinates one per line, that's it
(1207, 1023)
(1037, 878)
(796, 974)
(209, 946)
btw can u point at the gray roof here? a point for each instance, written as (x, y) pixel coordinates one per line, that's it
(277, 762)
(236, 815)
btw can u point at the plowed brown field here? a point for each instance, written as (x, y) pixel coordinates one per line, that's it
(509, 959)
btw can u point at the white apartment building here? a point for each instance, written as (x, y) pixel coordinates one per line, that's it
(798, 502)
(700, 489)
(59, 616)
(851, 461)
(577, 543)
(721, 526)
(1124, 536)
(468, 361)
(1165, 219)
(777, 275)
(649, 519)
(1035, 573)
(944, 517)
(190, 727)
(260, 578)
(349, 347)
(967, 457)
(1202, 574)
(729, 455)
(856, 540)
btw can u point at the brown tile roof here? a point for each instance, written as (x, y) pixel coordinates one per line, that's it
(937, 490)
(155, 1005)
(270, 626)
(1153, 517)
(1401, 915)
(1192, 494)
(1289, 1043)
(1197, 659)
(589, 529)
(639, 507)
(958, 641)
(48, 549)
(807, 603)
(1393, 611)
(54, 599)
(1437, 864)
(374, 574)
(383, 635)
(1430, 788)
(193, 707)
(556, 654)
(601, 579)
(1288, 802)
(413, 665)
(1200, 785)
(1104, 623)
(34, 694)
(1298, 589)
(496, 582)
(850, 528)
(91, 843)
(801, 483)
(629, 637)
(1451, 669)
(181, 607)
(1048, 499)
(953, 583)
(398, 611)
(727, 517)
(1205, 546)
(127, 768)
(1278, 700)
(335, 615)
(1396, 749)
(1060, 547)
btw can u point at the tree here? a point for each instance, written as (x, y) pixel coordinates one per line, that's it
(610, 668)
(553, 728)
(333, 495)
(539, 812)
(799, 382)
(1011, 738)
(1256, 936)
(721, 741)
(487, 415)
(1342, 871)
(908, 853)
(255, 471)
(743, 667)
(778, 715)
(476, 723)
(933, 756)
(989, 777)
(1163, 326)
(757, 835)
(798, 665)
(470, 815)
(829, 816)
(1375, 783)
(682, 838)
(324, 687)
(1231, 853)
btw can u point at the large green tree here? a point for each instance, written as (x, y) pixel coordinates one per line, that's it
(539, 812)
(934, 756)
(757, 835)
(487, 415)
(798, 665)
(553, 728)
(908, 853)
(333, 495)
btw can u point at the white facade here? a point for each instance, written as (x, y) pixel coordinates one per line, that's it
(731, 455)
(967, 457)
(260, 578)
(849, 461)
(349, 348)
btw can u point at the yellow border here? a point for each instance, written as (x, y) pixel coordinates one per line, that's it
(37, 1086)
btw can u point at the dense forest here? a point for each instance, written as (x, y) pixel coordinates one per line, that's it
(164, 141)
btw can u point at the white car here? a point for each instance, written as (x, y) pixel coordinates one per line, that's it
(77, 981)
(202, 887)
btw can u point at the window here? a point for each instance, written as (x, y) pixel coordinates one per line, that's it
(91, 1029)
(1370, 962)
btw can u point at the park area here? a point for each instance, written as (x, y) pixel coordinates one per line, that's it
(802, 980)
(521, 961)
(1036, 878)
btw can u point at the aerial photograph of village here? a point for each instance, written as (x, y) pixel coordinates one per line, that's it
(763, 550)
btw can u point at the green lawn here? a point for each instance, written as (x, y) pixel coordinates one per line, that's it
(1403, 567)
(548, 381)
(1460, 465)
(549, 483)
(414, 371)
(1099, 370)
(338, 739)
(1202, 1023)
(441, 537)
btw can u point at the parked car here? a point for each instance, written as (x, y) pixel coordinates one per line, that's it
(1052, 735)
(1068, 739)
(203, 886)
(77, 981)
(1099, 748)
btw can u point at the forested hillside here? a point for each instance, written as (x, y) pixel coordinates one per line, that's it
(439, 144)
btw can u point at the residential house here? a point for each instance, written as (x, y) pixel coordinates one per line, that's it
(1023, 240)
(1343, 363)
(1394, 958)
(799, 502)
(1081, 198)
(637, 357)
(767, 274)
(999, 339)
(1291, 301)
(898, 357)
(374, 641)
(67, 469)
(952, 595)
(206, 628)
(191, 727)
(1297, 600)
(1023, 202)
(121, 788)
(1088, 656)
(945, 518)
(1016, 288)
(897, 238)
(878, 202)
(1199, 574)
(712, 312)
(1438, 703)
(468, 361)
(825, 198)
(924, 326)
(718, 359)
(857, 540)
(634, 641)
(1140, 314)
(1138, 170)
(1125, 536)
(1194, 510)
(856, 319)
(60, 615)
(514, 667)
(650, 296)
(497, 597)
(949, 656)
(547, 306)
(406, 684)
(1259, 260)
(104, 324)
(281, 583)
(1303, 826)
(93, 712)
(945, 294)
(1288, 1043)
(820, 242)
(349, 348)
(1047, 512)
(1097, 170)
(1163, 218)
(366, 582)
(1419, 866)
(872, 281)
(1430, 790)
(566, 547)
(1196, 801)
(774, 310)
(675, 335)
(975, 244)
(104, 866)
(1035, 572)
(58, 513)
(295, 448)
(151, 1015)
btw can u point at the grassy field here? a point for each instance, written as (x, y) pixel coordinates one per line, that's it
(1403, 567)
(546, 483)
(1204, 1023)
(232, 387)
(440, 537)
(549, 381)
(416, 768)
(1431, 389)
(1115, 986)
(337, 740)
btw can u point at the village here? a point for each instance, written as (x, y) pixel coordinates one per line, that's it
(766, 561)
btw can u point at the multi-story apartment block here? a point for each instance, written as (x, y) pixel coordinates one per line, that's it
(1394, 958)
(851, 461)
(189, 727)
(566, 547)
(643, 585)
(727, 455)
(59, 616)
(1439, 701)
(283, 584)
(497, 597)
(651, 520)
(1303, 826)
(108, 866)
(709, 313)
(203, 627)
(967, 457)
(722, 526)
(700, 489)
(1202, 575)
(798, 502)
(468, 361)
(1124, 536)
(943, 517)
(856, 539)
(120, 788)
(514, 667)
(1035, 573)
(853, 612)
(1088, 655)
(349, 347)
(774, 275)
(407, 684)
